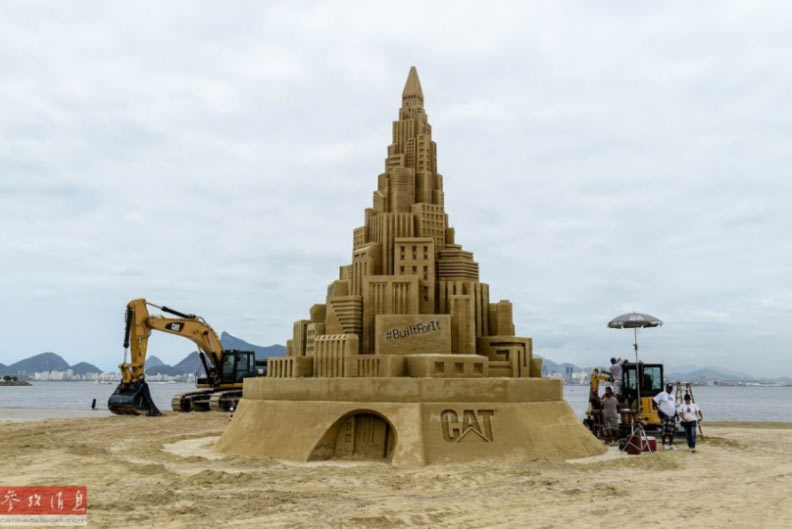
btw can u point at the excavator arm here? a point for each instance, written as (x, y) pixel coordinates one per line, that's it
(132, 395)
(596, 378)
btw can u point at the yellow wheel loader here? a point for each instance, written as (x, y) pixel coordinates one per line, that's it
(219, 390)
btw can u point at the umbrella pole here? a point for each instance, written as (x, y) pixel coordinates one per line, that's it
(638, 373)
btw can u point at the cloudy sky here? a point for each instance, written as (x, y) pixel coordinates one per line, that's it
(598, 158)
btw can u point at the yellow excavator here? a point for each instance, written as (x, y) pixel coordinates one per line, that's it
(651, 383)
(219, 390)
(642, 382)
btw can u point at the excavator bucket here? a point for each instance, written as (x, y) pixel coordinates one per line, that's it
(133, 399)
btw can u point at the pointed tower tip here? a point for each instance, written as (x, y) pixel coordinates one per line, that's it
(412, 88)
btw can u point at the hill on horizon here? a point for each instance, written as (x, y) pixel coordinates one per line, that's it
(83, 368)
(49, 361)
(153, 361)
(192, 362)
(685, 372)
(232, 342)
(41, 362)
(711, 372)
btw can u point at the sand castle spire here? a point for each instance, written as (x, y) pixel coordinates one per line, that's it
(408, 269)
(412, 95)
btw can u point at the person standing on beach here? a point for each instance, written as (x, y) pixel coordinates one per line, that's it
(690, 415)
(616, 373)
(610, 412)
(666, 409)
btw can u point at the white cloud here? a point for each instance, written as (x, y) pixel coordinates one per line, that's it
(598, 158)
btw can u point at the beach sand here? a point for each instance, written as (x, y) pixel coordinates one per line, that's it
(38, 414)
(145, 472)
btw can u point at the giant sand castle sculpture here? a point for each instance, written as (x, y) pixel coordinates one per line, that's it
(407, 359)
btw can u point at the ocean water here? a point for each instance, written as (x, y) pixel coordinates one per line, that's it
(78, 395)
(718, 403)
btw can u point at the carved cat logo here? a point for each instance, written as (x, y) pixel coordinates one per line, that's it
(478, 422)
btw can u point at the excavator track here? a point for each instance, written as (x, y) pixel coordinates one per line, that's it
(225, 400)
(191, 401)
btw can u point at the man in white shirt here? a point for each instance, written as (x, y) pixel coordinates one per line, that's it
(689, 415)
(666, 409)
(616, 374)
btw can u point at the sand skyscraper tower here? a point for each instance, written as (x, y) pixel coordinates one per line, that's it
(407, 359)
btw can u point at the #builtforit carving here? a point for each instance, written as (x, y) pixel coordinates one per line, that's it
(394, 334)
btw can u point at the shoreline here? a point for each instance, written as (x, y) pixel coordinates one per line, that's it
(769, 425)
(24, 414)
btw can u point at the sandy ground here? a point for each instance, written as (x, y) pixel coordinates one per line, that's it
(38, 414)
(145, 472)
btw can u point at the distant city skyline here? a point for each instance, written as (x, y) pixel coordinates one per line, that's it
(216, 160)
(50, 366)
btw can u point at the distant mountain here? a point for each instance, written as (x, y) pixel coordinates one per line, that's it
(83, 368)
(728, 372)
(552, 367)
(683, 372)
(153, 361)
(549, 366)
(155, 366)
(684, 368)
(190, 364)
(710, 373)
(37, 363)
(164, 369)
(232, 342)
(673, 373)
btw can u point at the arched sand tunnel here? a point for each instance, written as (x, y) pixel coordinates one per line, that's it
(361, 434)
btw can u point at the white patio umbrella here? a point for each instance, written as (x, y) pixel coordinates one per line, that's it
(635, 321)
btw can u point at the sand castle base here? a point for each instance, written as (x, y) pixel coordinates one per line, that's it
(408, 422)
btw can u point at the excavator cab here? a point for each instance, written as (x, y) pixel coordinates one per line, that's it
(651, 383)
(237, 365)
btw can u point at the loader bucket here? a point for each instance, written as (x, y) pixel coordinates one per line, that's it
(133, 399)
